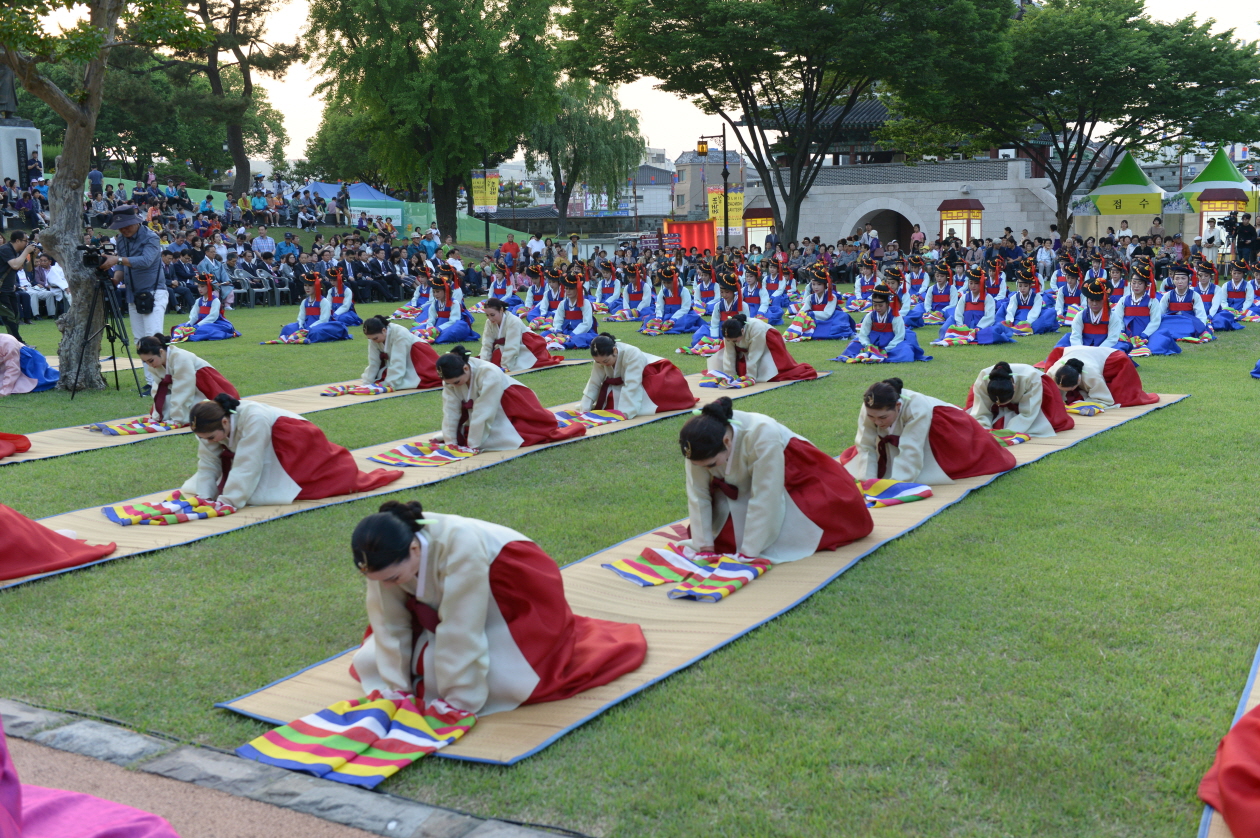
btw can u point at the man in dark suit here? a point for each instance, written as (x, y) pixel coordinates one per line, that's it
(382, 271)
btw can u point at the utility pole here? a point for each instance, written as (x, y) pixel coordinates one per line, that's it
(726, 176)
(485, 174)
(634, 190)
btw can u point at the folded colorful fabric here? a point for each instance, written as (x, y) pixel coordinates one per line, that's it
(1009, 438)
(182, 333)
(1086, 408)
(175, 508)
(423, 454)
(719, 379)
(427, 334)
(622, 316)
(705, 577)
(297, 337)
(356, 390)
(933, 318)
(870, 354)
(361, 741)
(801, 328)
(957, 336)
(855, 303)
(882, 493)
(1022, 328)
(705, 348)
(1202, 337)
(589, 419)
(1068, 315)
(407, 313)
(1140, 348)
(656, 327)
(539, 324)
(134, 428)
(598, 307)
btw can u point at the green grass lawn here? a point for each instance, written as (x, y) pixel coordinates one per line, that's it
(1057, 655)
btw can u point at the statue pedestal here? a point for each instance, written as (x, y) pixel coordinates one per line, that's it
(18, 138)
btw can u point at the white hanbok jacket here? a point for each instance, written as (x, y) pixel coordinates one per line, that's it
(181, 366)
(256, 478)
(489, 428)
(513, 355)
(629, 397)
(399, 372)
(911, 459)
(1028, 393)
(758, 362)
(1092, 384)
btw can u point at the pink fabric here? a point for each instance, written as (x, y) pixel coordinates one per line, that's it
(12, 381)
(37, 812)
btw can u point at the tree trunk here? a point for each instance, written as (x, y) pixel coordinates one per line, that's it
(562, 209)
(1062, 217)
(240, 159)
(446, 205)
(791, 217)
(60, 239)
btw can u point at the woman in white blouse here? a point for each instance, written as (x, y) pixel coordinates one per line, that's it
(629, 380)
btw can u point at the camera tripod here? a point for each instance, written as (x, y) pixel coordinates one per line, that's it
(114, 328)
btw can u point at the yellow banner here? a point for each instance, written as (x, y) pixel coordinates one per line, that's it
(757, 222)
(734, 203)
(485, 190)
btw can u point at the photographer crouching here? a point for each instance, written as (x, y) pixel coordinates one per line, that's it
(138, 265)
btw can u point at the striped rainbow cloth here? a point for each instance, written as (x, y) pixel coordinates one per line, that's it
(656, 327)
(1023, 328)
(423, 454)
(704, 577)
(1068, 315)
(133, 428)
(623, 315)
(1141, 347)
(1086, 408)
(407, 313)
(356, 390)
(870, 354)
(1202, 337)
(882, 493)
(182, 333)
(589, 419)
(957, 336)
(361, 741)
(1009, 438)
(427, 334)
(801, 328)
(297, 337)
(933, 318)
(854, 303)
(719, 379)
(706, 347)
(175, 508)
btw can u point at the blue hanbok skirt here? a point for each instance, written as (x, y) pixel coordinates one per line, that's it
(1225, 321)
(218, 330)
(34, 365)
(839, 327)
(1173, 326)
(319, 332)
(350, 318)
(905, 352)
(456, 331)
(685, 322)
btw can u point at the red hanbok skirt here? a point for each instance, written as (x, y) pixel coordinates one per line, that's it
(1052, 407)
(664, 384)
(960, 445)
(788, 367)
(424, 361)
(537, 345)
(28, 548)
(536, 424)
(1124, 382)
(322, 469)
(1232, 784)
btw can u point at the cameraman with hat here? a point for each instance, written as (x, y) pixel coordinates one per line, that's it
(138, 263)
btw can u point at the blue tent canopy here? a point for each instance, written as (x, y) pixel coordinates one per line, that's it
(358, 191)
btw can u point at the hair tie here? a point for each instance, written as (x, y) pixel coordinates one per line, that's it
(696, 411)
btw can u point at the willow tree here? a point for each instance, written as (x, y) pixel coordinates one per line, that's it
(442, 85)
(30, 47)
(591, 140)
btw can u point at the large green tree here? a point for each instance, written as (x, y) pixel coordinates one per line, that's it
(338, 152)
(785, 72)
(591, 140)
(30, 46)
(1084, 79)
(443, 84)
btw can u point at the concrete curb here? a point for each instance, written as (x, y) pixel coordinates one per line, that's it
(336, 802)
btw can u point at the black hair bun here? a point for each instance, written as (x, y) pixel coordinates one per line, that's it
(1075, 363)
(894, 383)
(409, 512)
(720, 409)
(1001, 370)
(227, 402)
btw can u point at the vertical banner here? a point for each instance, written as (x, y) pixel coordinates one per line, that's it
(734, 208)
(24, 179)
(485, 190)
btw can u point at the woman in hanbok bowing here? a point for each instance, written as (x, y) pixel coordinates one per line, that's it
(573, 317)
(474, 614)
(486, 409)
(508, 344)
(253, 454)
(913, 438)
(883, 328)
(315, 316)
(397, 358)
(1019, 398)
(446, 311)
(757, 489)
(755, 349)
(183, 379)
(206, 314)
(23, 370)
(629, 380)
(1098, 374)
(1182, 314)
(28, 548)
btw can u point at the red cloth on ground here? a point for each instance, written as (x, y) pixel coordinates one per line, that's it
(211, 383)
(424, 361)
(37, 812)
(11, 444)
(1232, 784)
(1055, 354)
(319, 467)
(1052, 407)
(667, 387)
(532, 421)
(28, 547)
(963, 448)
(821, 488)
(1124, 382)
(570, 654)
(789, 369)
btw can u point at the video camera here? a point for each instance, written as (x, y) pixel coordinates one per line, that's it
(94, 254)
(1230, 223)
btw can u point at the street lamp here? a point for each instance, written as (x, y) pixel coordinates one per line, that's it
(702, 149)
